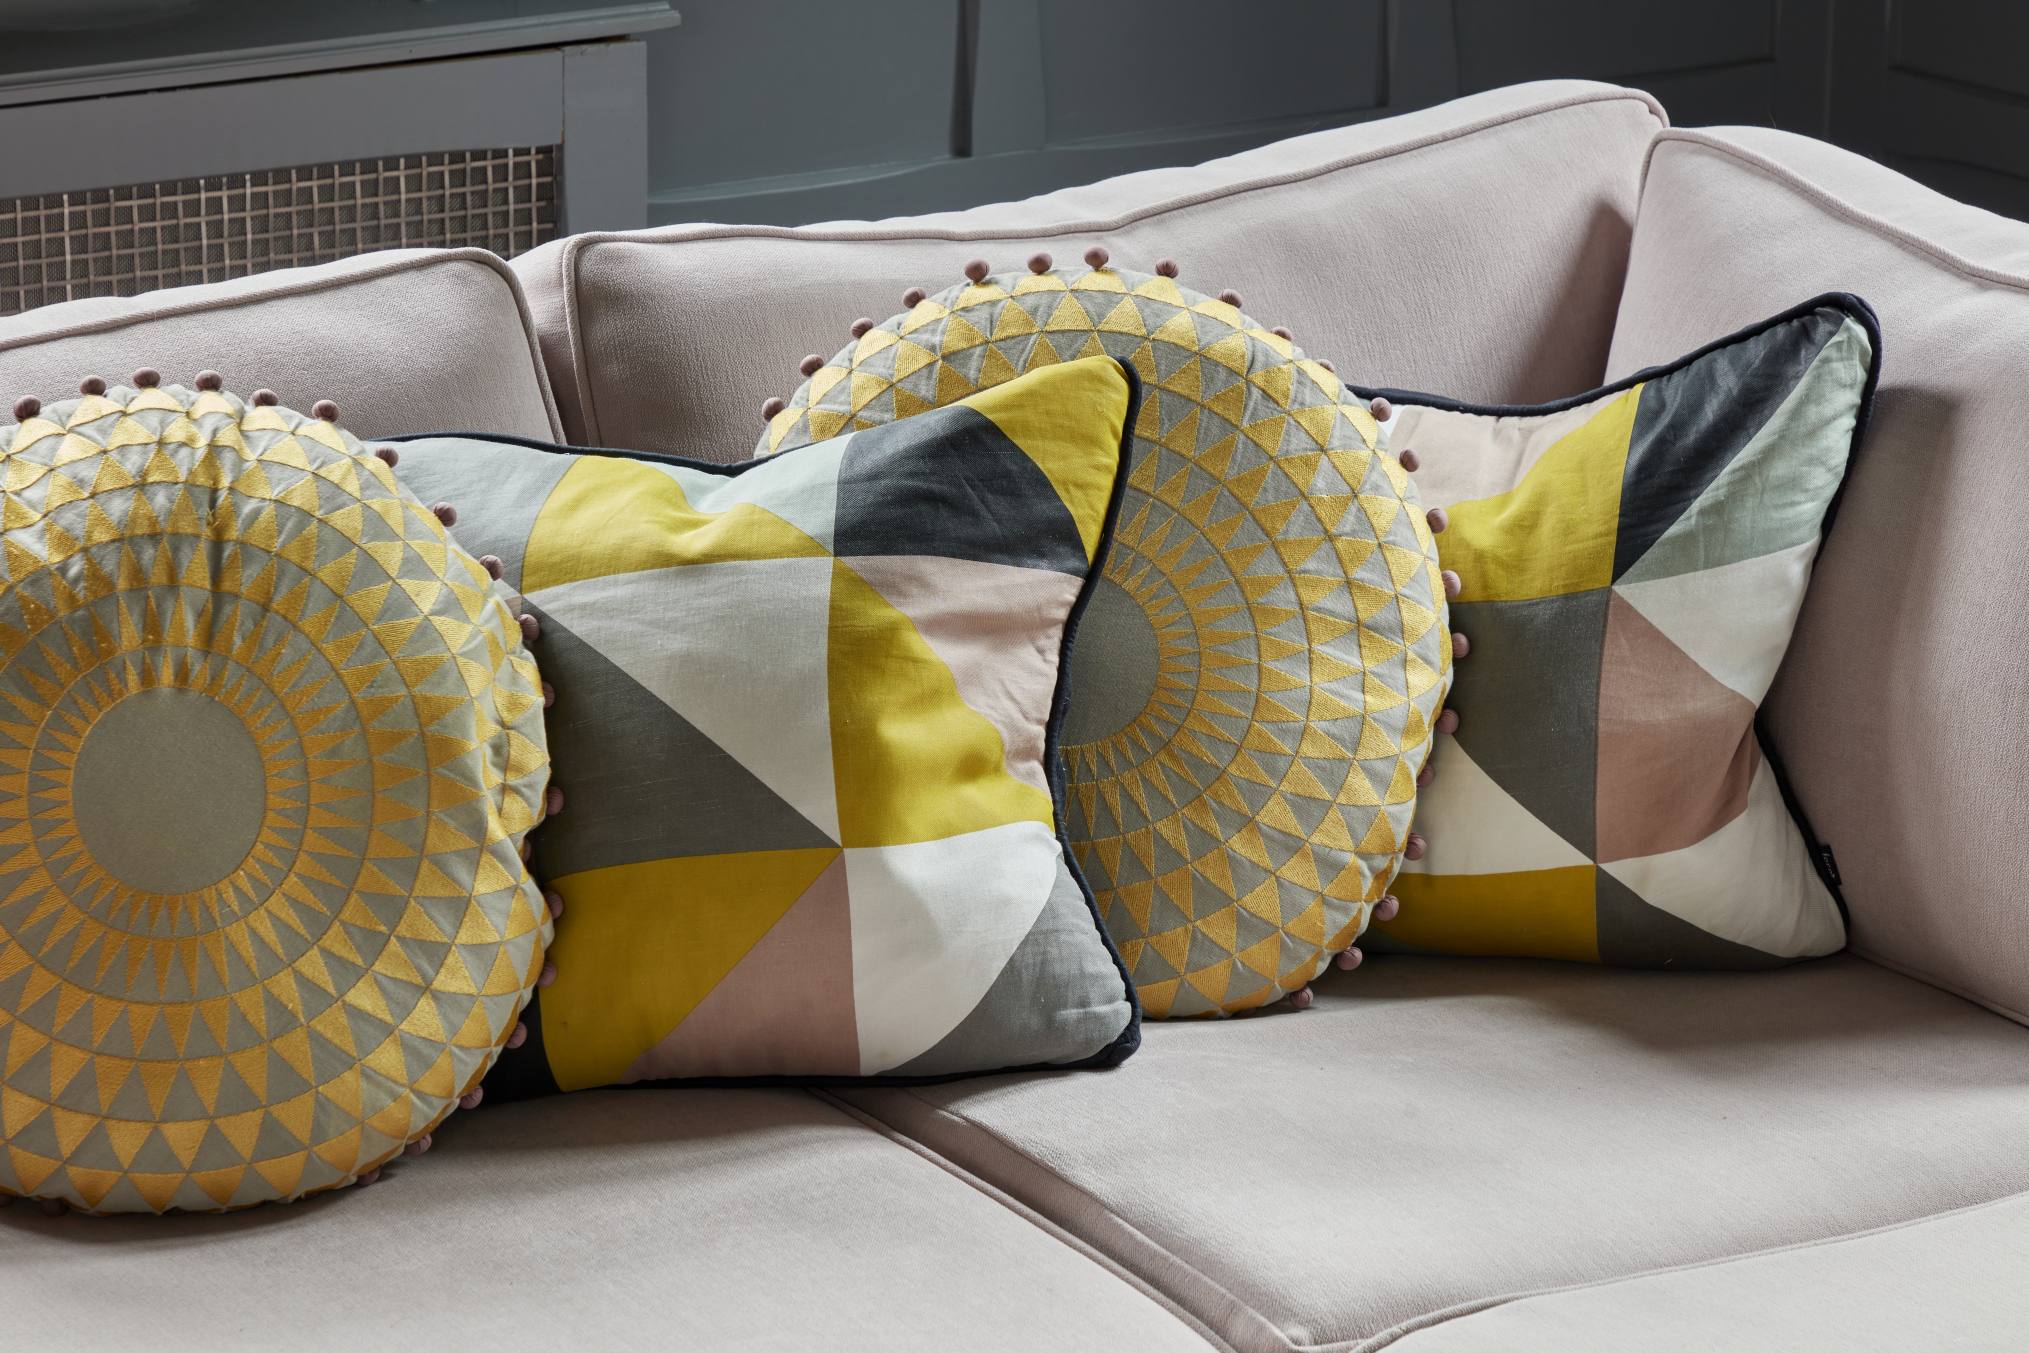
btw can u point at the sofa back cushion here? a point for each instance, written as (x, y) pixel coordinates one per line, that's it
(407, 340)
(1900, 708)
(1476, 247)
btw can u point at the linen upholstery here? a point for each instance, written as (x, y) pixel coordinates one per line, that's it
(695, 1219)
(1953, 1281)
(806, 710)
(403, 338)
(1630, 563)
(1267, 650)
(1908, 677)
(1475, 247)
(1465, 1130)
(269, 749)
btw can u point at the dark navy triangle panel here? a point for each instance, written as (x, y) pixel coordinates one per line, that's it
(1694, 420)
(950, 483)
(619, 748)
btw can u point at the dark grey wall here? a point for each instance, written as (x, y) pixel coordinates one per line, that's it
(789, 111)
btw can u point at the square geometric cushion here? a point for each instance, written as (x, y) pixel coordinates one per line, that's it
(806, 714)
(1632, 562)
(1266, 649)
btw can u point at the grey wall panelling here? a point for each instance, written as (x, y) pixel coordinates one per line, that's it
(1940, 90)
(836, 110)
(789, 111)
(839, 110)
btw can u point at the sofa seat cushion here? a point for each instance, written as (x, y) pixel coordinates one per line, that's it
(1955, 1279)
(1912, 620)
(1441, 1133)
(406, 340)
(708, 1219)
(1475, 248)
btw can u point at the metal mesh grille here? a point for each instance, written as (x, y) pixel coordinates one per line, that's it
(123, 241)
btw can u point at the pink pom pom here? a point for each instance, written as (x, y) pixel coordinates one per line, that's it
(266, 398)
(810, 365)
(445, 513)
(26, 408)
(1380, 408)
(976, 271)
(771, 406)
(1097, 256)
(1166, 267)
(388, 456)
(913, 297)
(1230, 297)
(1040, 263)
(209, 380)
(859, 326)
(326, 410)
(1282, 332)
(147, 378)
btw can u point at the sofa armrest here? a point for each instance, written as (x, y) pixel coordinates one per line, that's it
(406, 340)
(1900, 711)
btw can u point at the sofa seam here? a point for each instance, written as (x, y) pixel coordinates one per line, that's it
(1463, 1310)
(1930, 979)
(1825, 197)
(488, 261)
(576, 245)
(1380, 1339)
(581, 377)
(1000, 1139)
(1034, 1217)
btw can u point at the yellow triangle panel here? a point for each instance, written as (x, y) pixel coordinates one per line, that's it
(648, 941)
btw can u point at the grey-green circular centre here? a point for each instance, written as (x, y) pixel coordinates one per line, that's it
(168, 791)
(1114, 665)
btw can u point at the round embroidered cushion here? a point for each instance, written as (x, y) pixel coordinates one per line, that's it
(269, 742)
(1257, 672)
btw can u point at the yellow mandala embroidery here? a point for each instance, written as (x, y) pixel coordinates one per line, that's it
(1258, 668)
(268, 746)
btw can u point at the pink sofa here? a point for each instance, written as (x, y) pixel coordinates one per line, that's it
(1441, 1155)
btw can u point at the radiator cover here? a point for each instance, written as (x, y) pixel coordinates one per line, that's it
(125, 240)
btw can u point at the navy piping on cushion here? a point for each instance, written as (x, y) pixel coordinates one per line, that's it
(1844, 302)
(529, 1076)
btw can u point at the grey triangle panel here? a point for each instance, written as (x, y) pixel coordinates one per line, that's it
(1692, 422)
(1775, 492)
(498, 489)
(1635, 934)
(951, 483)
(1060, 998)
(1528, 703)
(644, 783)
